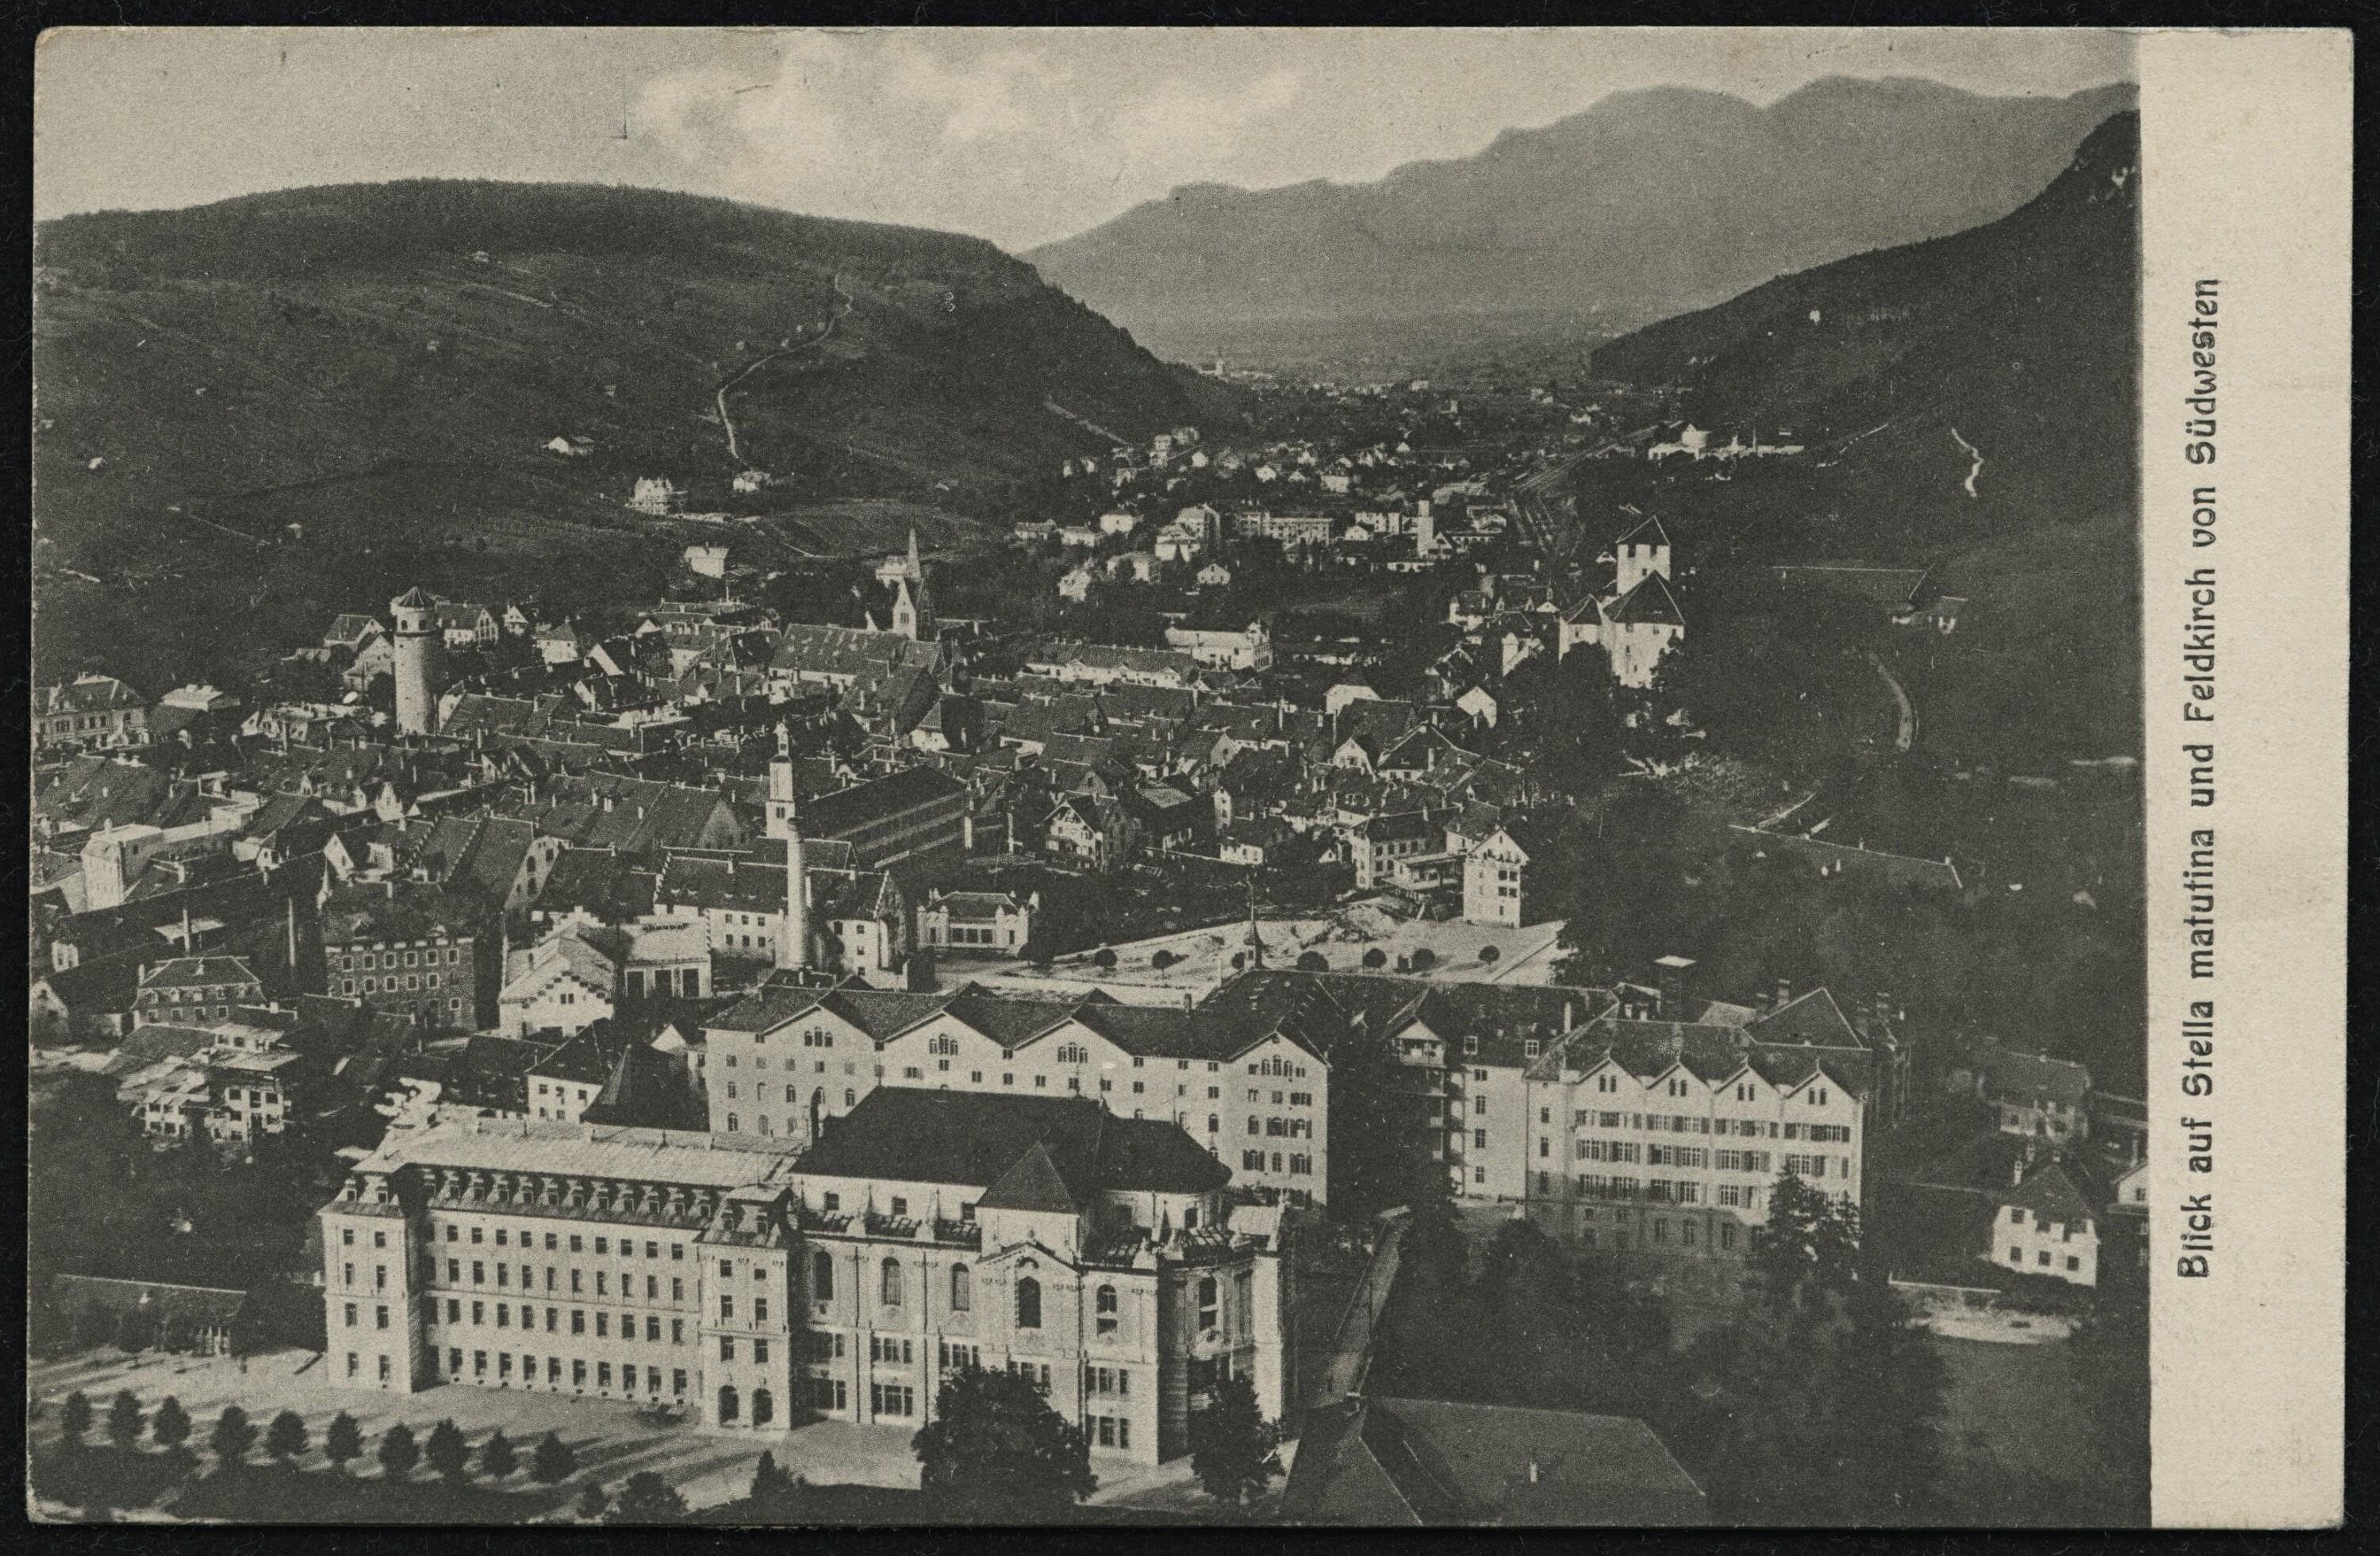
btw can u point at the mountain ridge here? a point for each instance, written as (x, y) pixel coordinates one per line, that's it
(1644, 203)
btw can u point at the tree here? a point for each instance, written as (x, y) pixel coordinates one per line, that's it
(647, 1499)
(398, 1452)
(74, 1418)
(995, 1452)
(1104, 959)
(343, 1441)
(554, 1463)
(1312, 961)
(286, 1439)
(592, 1502)
(1490, 955)
(1232, 1443)
(776, 1494)
(1375, 959)
(1161, 959)
(447, 1453)
(1424, 958)
(124, 1419)
(1809, 1237)
(497, 1458)
(170, 1427)
(233, 1436)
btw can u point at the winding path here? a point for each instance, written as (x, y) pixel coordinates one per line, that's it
(718, 396)
(1907, 735)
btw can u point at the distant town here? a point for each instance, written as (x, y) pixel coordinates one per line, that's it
(746, 1020)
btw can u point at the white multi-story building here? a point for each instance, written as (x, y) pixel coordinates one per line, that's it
(1246, 1077)
(930, 1230)
(1663, 1135)
(2043, 1226)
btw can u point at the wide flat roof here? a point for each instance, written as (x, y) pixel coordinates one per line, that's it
(588, 1151)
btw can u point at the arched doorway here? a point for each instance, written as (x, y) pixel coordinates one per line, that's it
(729, 1406)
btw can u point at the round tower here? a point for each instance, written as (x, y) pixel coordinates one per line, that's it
(419, 648)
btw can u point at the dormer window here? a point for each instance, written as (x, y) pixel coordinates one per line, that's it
(1471, 1048)
(1529, 1049)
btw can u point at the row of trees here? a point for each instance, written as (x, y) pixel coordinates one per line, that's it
(122, 1474)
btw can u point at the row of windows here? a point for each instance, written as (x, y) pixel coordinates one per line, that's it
(579, 1367)
(553, 1242)
(367, 961)
(505, 1317)
(1067, 1053)
(1297, 1162)
(602, 1281)
(2016, 1256)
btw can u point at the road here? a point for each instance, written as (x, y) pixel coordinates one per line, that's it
(1350, 1348)
(718, 396)
(1534, 507)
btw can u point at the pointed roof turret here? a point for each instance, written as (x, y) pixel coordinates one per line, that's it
(1034, 1184)
(1648, 534)
(414, 599)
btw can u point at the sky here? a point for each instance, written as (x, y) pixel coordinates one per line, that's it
(1021, 135)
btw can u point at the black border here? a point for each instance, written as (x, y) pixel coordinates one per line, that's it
(24, 22)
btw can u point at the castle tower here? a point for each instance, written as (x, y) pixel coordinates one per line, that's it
(419, 648)
(1639, 554)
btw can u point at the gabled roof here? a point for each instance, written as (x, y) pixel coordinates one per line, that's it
(1385, 1460)
(1034, 1184)
(1650, 604)
(975, 1138)
(2050, 1192)
(1648, 534)
(181, 970)
(2015, 1075)
(1811, 1021)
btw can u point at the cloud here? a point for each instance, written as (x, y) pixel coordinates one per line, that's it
(1181, 133)
(1017, 143)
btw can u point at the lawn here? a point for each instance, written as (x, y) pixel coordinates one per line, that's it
(2022, 1450)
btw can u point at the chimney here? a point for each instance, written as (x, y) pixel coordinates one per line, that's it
(1784, 993)
(1533, 1469)
(1672, 980)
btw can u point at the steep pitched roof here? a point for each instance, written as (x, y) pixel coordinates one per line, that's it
(1034, 1184)
(2050, 1192)
(1650, 604)
(977, 1138)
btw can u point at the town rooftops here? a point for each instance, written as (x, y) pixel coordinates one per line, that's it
(981, 1139)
